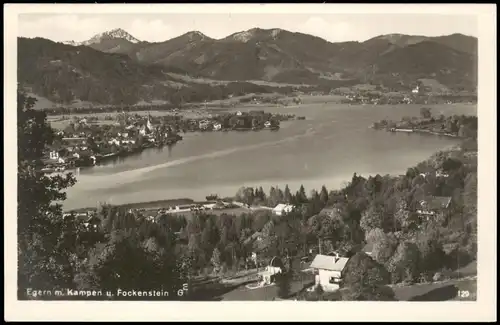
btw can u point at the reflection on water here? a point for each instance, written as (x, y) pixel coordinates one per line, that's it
(327, 148)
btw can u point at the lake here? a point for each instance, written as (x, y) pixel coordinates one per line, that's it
(333, 142)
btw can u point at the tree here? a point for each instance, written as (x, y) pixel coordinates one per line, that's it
(404, 264)
(451, 164)
(261, 195)
(425, 112)
(122, 263)
(216, 260)
(246, 195)
(365, 279)
(284, 285)
(372, 218)
(406, 219)
(361, 267)
(287, 195)
(301, 196)
(470, 196)
(43, 262)
(383, 245)
(431, 252)
(323, 195)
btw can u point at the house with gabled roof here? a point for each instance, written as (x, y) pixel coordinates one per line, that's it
(329, 271)
(433, 206)
(282, 209)
(273, 269)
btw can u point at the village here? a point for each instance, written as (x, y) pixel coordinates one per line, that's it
(87, 140)
(419, 94)
(458, 126)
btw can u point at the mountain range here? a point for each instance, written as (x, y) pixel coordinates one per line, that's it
(147, 70)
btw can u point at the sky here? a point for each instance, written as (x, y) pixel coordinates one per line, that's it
(161, 27)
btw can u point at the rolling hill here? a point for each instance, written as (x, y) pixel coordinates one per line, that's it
(282, 56)
(65, 74)
(114, 67)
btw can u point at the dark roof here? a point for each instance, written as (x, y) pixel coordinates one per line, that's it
(435, 202)
(276, 262)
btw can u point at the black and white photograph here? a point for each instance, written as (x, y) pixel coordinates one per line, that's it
(230, 155)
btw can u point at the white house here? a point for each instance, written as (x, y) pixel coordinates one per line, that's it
(274, 268)
(441, 174)
(433, 206)
(329, 271)
(54, 155)
(210, 206)
(267, 124)
(415, 90)
(114, 141)
(217, 126)
(238, 113)
(282, 209)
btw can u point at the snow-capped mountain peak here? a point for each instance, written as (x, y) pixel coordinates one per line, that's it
(112, 34)
(244, 36)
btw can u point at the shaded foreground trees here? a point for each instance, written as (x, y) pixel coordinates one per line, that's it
(60, 252)
(44, 238)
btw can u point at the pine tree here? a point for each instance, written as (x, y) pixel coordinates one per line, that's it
(216, 260)
(284, 285)
(324, 195)
(287, 195)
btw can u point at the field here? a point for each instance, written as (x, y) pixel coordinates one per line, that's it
(214, 82)
(435, 85)
(459, 289)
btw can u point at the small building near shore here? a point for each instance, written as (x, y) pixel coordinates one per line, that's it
(54, 155)
(217, 126)
(282, 209)
(274, 269)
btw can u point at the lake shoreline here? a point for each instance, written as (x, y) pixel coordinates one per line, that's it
(205, 165)
(172, 202)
